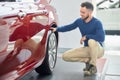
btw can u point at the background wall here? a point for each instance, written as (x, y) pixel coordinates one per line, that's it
(68, 11)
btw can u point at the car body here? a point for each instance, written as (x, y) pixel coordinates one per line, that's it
(108, 11)
(26, 41)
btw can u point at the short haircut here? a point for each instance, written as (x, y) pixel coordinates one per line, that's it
(88, 5)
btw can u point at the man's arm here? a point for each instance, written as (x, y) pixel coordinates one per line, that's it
(65, 28)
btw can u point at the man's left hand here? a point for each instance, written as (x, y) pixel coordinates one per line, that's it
(83, 39)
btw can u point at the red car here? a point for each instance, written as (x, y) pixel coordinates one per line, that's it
(26, 41)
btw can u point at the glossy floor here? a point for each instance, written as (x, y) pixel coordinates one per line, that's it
(73, 71)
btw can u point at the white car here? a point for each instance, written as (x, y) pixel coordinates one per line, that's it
(108, 11)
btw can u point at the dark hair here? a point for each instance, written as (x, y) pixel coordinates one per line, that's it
(88, 5)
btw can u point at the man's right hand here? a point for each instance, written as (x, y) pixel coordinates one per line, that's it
(53, 29)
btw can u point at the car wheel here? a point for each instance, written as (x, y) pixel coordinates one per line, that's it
(50, 58)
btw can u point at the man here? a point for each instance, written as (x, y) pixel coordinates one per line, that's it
(93, 36)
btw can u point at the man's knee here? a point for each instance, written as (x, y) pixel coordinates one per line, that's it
(66, 56)
(92, 42)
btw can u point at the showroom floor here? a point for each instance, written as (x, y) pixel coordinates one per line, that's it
(73, 70)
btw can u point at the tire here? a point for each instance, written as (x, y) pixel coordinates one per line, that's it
(51, 56)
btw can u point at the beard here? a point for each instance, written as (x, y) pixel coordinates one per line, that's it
(86, 18)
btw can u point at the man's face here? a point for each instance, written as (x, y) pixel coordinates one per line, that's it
(84, 13)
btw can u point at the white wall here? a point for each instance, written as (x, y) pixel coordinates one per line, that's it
(68, 11)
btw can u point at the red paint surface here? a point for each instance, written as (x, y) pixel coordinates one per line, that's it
(14, 64)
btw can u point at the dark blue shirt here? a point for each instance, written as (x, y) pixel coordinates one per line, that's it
(92, 30)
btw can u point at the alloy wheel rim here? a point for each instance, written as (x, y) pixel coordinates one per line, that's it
(52, 50)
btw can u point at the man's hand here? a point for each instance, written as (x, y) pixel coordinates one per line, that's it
(83, 39)
(53, 29)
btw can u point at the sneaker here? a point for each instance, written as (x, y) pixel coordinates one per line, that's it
(87, 73)
(91, 71)
(86, 67)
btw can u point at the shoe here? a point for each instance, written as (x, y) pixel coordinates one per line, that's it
(87, 65)
(91, 71)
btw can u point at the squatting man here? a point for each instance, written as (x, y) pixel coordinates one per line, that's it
(93, 36)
